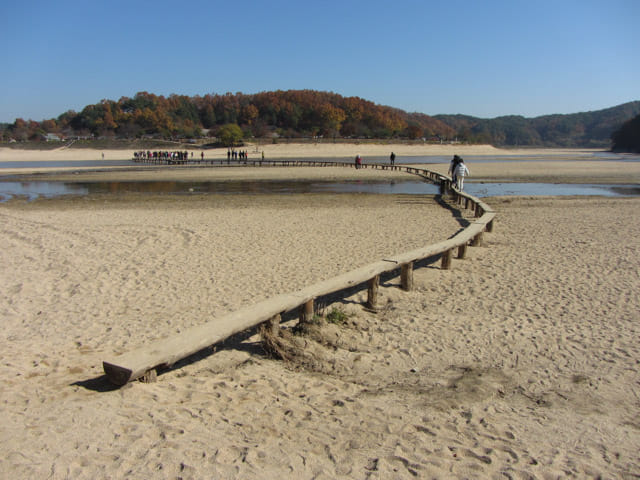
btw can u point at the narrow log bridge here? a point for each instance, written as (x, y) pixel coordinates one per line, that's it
(166, 352)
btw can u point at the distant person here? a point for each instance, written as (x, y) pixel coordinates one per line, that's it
(452, 167)
(461, 172)
(201, 156)
(358, 161)
(393, 158)
(103, 155)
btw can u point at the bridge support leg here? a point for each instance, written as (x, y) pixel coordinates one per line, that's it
(490, 226)
(150, 376)
(273, 325)
(446, 259)
(406, 276)
(372, 292)
(306, 312)
(477, 240)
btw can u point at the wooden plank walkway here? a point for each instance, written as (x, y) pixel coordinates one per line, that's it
(166, 352)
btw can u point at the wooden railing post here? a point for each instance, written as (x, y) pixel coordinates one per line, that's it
(477, 240)
(490, 226)
(372, 292)
(462, 250)
(273, 324)
(406, 276)
(306, 311)
(446, 259)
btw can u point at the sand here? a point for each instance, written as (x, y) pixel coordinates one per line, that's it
(520, 362)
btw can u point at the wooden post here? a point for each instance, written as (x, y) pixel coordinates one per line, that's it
(150, 376)
(466, 203)
(273, 325)
(306, 311)
(477, 240)
(406, 276)
(446, 259)
(462, 250)
(372, 292)
(490, 226)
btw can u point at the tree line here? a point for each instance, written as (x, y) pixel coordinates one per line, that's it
(309, 113)
(586, 129)
(293, 113)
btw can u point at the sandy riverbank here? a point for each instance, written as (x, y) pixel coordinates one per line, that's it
(521, 361)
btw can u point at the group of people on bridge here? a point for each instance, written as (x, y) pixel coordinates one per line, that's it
(179, 156)
(235, 155)
(458, 171)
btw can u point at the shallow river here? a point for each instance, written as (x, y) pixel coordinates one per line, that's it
(11, 187)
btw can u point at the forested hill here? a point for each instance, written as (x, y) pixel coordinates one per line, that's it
(309, 113)
(586, 129)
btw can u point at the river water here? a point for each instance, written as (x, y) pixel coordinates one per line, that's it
(47, 189)
(11, 187)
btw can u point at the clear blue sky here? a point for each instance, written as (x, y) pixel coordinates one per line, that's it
(483, 58)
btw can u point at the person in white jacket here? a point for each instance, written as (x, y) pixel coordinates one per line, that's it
(461, 171)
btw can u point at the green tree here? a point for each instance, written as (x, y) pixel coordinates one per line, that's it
(230, 134)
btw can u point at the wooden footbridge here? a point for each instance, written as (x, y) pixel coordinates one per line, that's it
(143, 362)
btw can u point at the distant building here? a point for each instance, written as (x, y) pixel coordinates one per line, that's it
(52, 137)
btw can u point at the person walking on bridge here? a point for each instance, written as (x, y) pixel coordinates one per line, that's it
(452, 168)
(461, 171)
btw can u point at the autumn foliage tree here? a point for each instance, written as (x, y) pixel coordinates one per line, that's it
(309, 113)
(293, 113)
